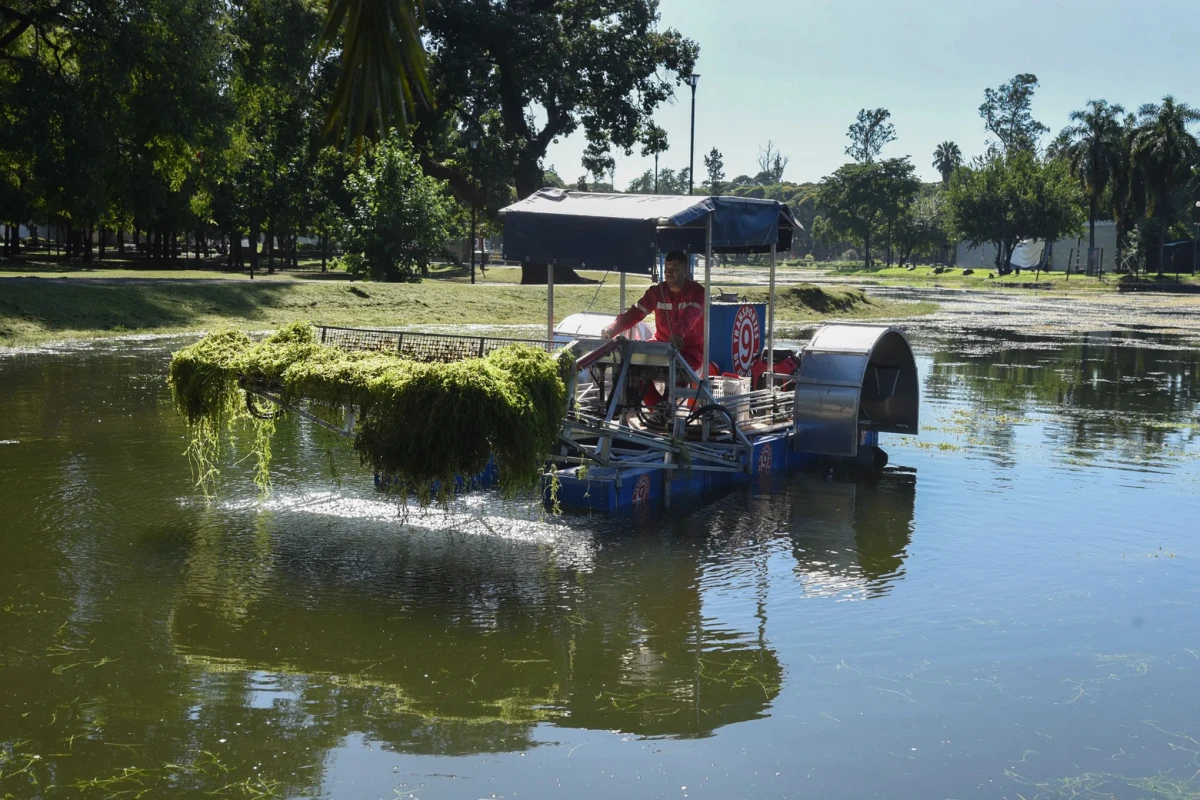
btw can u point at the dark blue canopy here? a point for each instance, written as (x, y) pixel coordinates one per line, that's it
(625, 232)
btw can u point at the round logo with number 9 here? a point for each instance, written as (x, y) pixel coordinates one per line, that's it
(747, 339)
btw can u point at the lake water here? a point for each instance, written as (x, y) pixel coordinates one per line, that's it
(1010, 611)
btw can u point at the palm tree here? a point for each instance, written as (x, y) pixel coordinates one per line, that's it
(946, 157)
(383, 66)
(1164, 152)
(1093, 146)
(1127, 190)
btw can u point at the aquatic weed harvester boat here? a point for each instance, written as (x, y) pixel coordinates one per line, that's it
(566, 415)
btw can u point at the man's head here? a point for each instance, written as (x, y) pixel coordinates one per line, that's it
(676, 269)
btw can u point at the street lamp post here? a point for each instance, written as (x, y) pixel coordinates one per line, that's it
(474, 144)
(692, 80)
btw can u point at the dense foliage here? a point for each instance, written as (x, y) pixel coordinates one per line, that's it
(197, 123)
(399, 217)
(1013, 197)
(420, 426)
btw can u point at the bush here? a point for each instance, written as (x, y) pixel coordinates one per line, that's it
(400, 217)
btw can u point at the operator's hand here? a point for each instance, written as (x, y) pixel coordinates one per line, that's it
(677, 341)
(606, 334)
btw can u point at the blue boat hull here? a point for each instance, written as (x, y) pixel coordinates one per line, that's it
(652, 487)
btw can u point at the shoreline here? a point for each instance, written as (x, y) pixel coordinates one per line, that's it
(38, 312)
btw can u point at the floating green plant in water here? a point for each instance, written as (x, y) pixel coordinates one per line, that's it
(420, 426)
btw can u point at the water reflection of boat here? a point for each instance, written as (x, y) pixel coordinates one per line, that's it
(457, 646)
(851, 538)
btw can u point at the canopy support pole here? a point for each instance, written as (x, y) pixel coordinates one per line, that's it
(708, 225)
(771, 323)
(621, 310)
(549, 302)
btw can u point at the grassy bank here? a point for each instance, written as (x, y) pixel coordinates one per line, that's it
(309, 269)
(985, 278)
(33, 311)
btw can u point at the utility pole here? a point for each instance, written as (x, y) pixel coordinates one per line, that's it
(474, 143)
(693, 80)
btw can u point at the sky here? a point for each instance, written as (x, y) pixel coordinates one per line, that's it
(796, 72)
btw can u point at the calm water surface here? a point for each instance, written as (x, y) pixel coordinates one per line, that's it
(1010, 611)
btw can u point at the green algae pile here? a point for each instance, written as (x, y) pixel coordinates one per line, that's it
(419, 426)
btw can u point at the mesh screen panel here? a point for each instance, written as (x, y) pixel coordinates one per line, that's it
(420, 346)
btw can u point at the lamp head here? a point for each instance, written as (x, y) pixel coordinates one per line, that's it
(693, 79)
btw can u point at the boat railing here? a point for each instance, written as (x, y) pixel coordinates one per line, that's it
(421, 346)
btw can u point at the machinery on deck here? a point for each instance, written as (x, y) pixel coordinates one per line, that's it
(764, 411)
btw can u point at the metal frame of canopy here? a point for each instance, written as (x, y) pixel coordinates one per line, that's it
(570, 219)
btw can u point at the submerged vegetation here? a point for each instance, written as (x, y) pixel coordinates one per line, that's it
(420, 426)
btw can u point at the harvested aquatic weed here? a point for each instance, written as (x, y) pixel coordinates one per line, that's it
(420, 426)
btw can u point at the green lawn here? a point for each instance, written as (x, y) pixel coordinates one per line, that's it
(40, 266)
(33, 311)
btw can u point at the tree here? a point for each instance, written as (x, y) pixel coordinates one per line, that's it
(383, 74)
(862, 200)
(1164, 152)
(1006, 113)
(1012, 197)
(715, 164)
(399, 216)
(596, 157)
(771, 163)
(869, 134)
(90, 126)
(946, 157)
(1093, 149)
(669, 182)
(654, 143)
(921, 225)
(545, 70)
(1127, 189)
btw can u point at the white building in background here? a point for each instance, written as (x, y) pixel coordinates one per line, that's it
(1074, 248)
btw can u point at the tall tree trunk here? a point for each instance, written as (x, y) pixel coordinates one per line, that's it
(121, 243)
(269, 247)
(253, 242)
(867, 250)
(1091, 229)
(1162, 247)
(103, 241)
(86, 235)
(324, 251)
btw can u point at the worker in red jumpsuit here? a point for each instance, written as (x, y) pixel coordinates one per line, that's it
(678, 306)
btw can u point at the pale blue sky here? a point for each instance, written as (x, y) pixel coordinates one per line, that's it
(798, 71)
